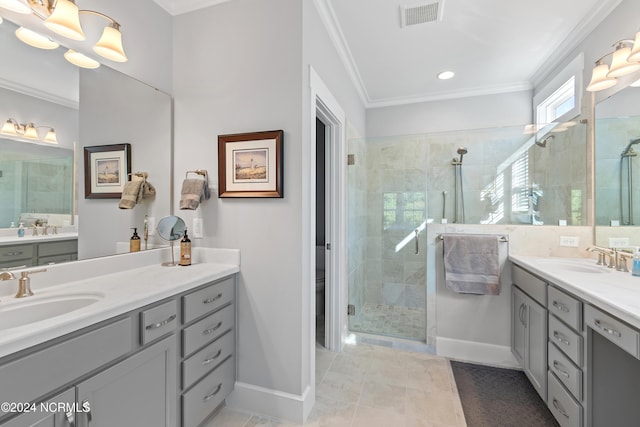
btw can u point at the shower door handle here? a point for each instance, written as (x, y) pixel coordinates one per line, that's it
(416, 231)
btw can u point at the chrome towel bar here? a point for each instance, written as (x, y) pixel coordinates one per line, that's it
(501, 239)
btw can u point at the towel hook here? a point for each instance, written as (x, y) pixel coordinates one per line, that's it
(201, 172)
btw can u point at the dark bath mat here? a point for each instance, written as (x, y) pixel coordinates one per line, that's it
(493, 397)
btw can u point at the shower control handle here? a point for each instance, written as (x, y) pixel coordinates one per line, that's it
(416, 231)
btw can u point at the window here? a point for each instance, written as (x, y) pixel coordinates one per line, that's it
(559, 103)
(559, 99)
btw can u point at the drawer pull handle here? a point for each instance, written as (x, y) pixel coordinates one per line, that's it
(212, 330)
(560, 306)
(557, 405)
(212, 358)
(613, 332)
(212, 299)
(71, 420)
(557, 365)
(560, 338)
(212, 394)
(13, 253)
(161, 324)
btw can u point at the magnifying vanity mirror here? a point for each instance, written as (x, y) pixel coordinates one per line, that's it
(86, 108)
(171, 228)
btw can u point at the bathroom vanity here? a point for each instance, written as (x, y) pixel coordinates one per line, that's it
(576, 333)
(147, 346)
(28, 251)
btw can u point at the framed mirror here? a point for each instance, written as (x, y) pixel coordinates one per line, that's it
(617, 169)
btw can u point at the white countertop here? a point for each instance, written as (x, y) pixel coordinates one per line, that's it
(123, 290)
(615, 292)
(28, 238)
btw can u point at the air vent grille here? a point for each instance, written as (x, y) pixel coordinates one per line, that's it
(421, 13)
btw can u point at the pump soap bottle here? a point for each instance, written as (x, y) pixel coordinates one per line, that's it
(21, 230)
(635, 271)
(185, 250)
(134, 243)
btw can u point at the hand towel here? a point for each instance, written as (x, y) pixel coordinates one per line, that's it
(130, 192)
(472, 264)
(194, 190)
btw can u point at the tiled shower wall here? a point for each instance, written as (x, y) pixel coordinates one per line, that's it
(398, 182)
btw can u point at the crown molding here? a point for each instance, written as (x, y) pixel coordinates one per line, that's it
(178, 7)
(40, 94)
(602, 9)
(454, 94)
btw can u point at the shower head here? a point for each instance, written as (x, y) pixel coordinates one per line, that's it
(543, 143)
(462, 151)
(628, 150)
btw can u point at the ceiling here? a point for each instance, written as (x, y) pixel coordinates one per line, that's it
(493, 46)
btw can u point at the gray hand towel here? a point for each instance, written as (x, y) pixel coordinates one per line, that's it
(194, 190)
(472, 264)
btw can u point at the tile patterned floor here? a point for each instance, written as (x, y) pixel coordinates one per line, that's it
(389, 320)
(371, 386)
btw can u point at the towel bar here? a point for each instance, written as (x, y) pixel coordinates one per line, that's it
(140, 174)
(502, 239)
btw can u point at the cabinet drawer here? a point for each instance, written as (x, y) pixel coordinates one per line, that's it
(203, 361)
(36, 373)
(619, 333)
(565, 307)
(207, 329)
(208, 299)
(530, 284)
(158, 321)
(56, 248)
(204, 397)
(569, 374)
(564, 408)
(566, 339)
(10, 254)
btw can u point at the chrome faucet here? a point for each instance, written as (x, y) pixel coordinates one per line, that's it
(24, 283)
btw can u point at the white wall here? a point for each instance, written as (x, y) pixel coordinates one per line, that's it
(479, 112)
(237, 68)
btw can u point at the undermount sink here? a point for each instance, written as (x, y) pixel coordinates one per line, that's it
(23, 312)
(574, 266)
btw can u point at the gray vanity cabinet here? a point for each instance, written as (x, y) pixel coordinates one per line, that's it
(529, 328)
(41, 417)
(140, 391)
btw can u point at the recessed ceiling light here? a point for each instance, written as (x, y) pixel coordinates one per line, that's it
(446, 75)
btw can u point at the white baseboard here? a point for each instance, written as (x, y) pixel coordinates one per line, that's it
(475, 352)
(273, 403)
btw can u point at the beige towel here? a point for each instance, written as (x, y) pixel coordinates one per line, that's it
(136, 190)
(471, 264)
(194, 190)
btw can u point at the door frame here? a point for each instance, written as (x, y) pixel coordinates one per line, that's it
(325, 106)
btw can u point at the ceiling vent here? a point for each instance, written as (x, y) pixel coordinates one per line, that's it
(420, 13)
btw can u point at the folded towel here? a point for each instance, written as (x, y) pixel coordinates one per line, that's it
(136, 190)
(194, 190)
(472, 264)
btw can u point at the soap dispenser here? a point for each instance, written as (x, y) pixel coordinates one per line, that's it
(134, 243)
(21, 230)
(636, 262)
(185, 250)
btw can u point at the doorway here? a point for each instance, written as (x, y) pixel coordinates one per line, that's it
(322, 201)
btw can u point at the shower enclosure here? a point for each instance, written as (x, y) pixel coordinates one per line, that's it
(626, 183)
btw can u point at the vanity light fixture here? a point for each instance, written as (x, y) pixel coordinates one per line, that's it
(625, 60)
(80, 59)
(29, 131)
(34, 39)
(63, 18)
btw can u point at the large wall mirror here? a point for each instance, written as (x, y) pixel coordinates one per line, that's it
(617, 169)
(86, 108)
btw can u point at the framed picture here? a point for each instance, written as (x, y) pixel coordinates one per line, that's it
(106, 168)
(250, 164)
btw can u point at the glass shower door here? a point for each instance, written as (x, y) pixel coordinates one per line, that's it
(387, 246)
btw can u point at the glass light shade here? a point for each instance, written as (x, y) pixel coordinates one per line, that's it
(30, 132)
(9, 128)
(0, 19)
(634, 56)
(35, 39)
(80, 59)
(110, 45)
(51, 137)
(600, 79)
(619, 64)
(18, 6)
(65, 20)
